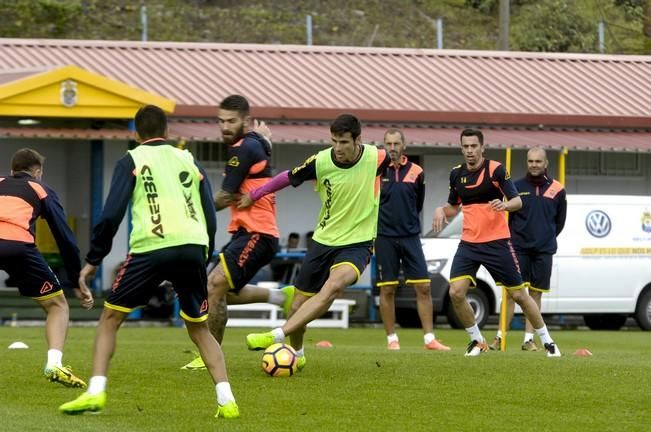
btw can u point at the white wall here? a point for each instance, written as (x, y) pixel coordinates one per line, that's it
(113, 151)
(437, 179)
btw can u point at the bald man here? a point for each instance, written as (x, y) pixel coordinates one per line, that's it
(534, 229)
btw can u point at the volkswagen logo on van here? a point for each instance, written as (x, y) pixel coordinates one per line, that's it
(598, 223)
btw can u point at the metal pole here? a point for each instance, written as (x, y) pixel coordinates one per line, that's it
(502, 323)
(308, 29)
(143, 22)
(561, 165)
(504, 25)
(439, 33)
(600, 31)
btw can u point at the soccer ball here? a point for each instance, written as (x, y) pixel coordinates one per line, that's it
(279, 360)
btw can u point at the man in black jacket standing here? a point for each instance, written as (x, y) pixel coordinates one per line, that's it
(534, 229)
(397, 246)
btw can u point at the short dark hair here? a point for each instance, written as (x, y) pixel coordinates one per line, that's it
(25, 159)
(395, 131)
(294, 235)
(346, 123)
(236, 103)
(151, 122)
(473, 132)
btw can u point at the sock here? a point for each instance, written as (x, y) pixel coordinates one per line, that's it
(393, 337)
(224, 393)
(276, 297)
(96, 385)
(300, 352)
(545, 338)
(428, 337)
(474, 333)
(499, 334)
(54, 357)
(528, 337)
(279, 334)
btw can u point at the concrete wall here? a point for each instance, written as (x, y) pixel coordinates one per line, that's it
(113, 151)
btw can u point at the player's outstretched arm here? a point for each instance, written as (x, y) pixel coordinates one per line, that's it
(245, 201)
(511, 205)
(224, 199)
(83, 293)
(441, 215)
(278, 182)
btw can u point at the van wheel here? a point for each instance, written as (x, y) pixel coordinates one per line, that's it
(408, 318)
(604, 321)
(480, 305)
(643, 311)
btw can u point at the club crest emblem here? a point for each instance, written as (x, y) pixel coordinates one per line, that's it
(69, 93)
(646, 221)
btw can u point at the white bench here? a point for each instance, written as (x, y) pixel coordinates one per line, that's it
(269, 315)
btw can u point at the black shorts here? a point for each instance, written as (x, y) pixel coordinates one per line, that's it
(536, 269)
(27, 267)
(392, 253)
(320, 259)
(245, 255)
(141, 274)
(497, 256)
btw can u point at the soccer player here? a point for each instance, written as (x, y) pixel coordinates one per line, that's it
(254, 240)
(534, 229)
(24, 198)
(484, 191)
(173, 234)
(398, 241)
(347, 180)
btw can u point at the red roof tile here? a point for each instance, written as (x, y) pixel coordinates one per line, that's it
(378, 84)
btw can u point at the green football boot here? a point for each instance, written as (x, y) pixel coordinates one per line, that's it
(260, 341)
(196, 364)
(228, 411)
(85, 402)
(300, 363)
(289, 299)
(63, 375)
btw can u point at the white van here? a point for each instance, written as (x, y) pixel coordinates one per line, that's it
(602, 269)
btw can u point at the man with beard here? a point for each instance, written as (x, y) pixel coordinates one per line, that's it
(397, 246)
(254, 240)
(534, 229)
(483, 190)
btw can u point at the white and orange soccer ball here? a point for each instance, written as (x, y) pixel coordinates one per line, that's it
(280, 360)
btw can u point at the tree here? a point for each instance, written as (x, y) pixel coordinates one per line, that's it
(647, 27)
(552, 26)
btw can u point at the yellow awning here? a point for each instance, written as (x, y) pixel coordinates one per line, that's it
(72, 92)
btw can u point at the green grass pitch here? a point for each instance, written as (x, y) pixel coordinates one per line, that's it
(355, 386)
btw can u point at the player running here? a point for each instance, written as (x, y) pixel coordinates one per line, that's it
(23, 199)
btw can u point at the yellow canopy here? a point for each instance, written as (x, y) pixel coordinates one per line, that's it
(72, 92)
